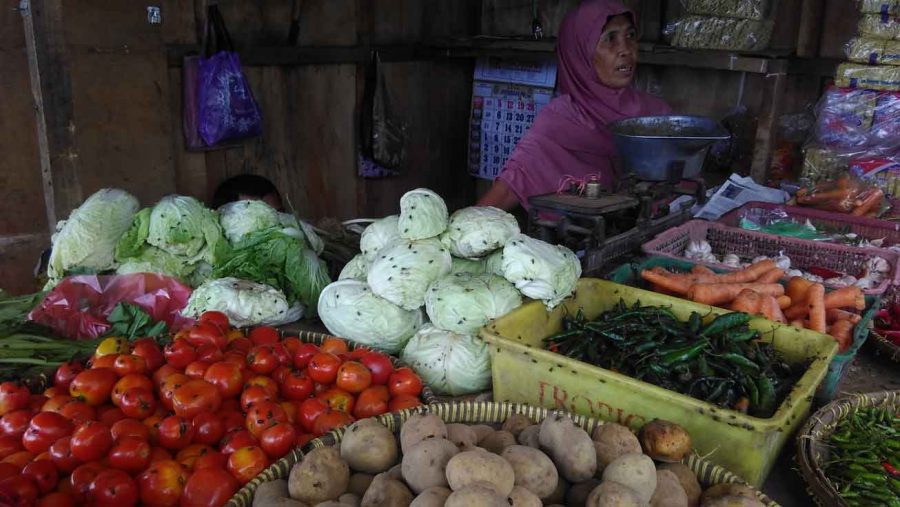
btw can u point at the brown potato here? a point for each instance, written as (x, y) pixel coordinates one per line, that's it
(274, 493)
(359, 483)
(529, 436)
(569, 446)
(613, 494)
(369, 447)
(421, 427)
(688, 480)
(350, 499)
(497, 441)
(665, 441)
(534, 471)
(668, 492)
(521, 497)
(387, 492)
(636, 471)
(425, 465)
(727, 489)
(612, 440)
(463, 436)
(578, 493)
(321, 475)
(479, 465)
(732, 501)
(432, 497)
(559, 494)
(476, 495)
(481, 431)
(516, 423)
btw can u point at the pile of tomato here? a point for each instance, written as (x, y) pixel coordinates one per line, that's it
(186, 424)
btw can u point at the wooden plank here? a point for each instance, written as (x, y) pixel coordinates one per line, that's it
(809, 32)
(786, 14)
(838, 26)
(180, 23)
(51, 90)
(190, 167)
(111, 25)
(773, 97)
(18, 257)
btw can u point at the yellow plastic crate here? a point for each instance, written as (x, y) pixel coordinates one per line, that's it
(526, 373)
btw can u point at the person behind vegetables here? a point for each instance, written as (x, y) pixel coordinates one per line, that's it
(597, 50)
(247, 187)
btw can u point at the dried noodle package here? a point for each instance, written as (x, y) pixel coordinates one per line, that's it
(844, 117)
(886, 123)
(879, 27)
(697, 32)
(886, 7)
(873, 51)
(821, 163)
(852, 75)
(742, 9)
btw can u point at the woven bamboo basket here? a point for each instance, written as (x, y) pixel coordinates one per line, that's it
(811, 441)
(469, 412)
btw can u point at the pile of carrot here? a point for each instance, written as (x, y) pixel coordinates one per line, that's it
(756, 290)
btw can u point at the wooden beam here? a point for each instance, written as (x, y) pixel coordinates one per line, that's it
(808, 35)
(51, 89)
(773, 95)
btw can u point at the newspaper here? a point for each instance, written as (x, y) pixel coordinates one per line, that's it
(736, 192)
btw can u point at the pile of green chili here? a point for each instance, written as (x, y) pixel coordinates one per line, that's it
(864, 461)
(721, 362)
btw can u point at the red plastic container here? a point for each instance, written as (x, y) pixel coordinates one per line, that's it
(804, 254)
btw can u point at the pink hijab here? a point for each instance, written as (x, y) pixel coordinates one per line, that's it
(570, 136)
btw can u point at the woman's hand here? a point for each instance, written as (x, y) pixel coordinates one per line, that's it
(499, 196)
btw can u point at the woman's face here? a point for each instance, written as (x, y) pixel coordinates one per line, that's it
(615, 56)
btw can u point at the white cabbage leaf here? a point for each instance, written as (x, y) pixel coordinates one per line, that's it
(403, 272)
(379, 234)
(476, 231)
(423, 214)
(463, 303)
(541, 270)
(449, 363)
(245, 303)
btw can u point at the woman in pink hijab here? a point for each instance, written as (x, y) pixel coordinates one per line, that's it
(597, 50)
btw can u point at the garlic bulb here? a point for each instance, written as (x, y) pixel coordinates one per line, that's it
(866, 283)
(794, 272)
(782, 261)
(877, 265)
(837, 282)
(697, 250)
(759, 259)
(731, 260)
(709, 258)
(813, 278)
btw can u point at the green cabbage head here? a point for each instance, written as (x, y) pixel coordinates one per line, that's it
(240, 218)
(476, 231)
(423, 214)
(356, 269)
(379, 234)
(245, 303)
(449, 363)
(182, 226)
(463, 303)
(541, 270)
(402, 272)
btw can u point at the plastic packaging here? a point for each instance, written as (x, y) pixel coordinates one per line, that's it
(79, 305)
(852, 75)
(700, 32)
(845, 194)
(742, 9)
(879, 26)
(873, 51)
(821, 163)
(881, 171)
(886, 7)
(845, 117)
(778, 221)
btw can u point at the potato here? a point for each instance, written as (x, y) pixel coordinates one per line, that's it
(350, 499)
(688, 480)
(359, 483)
(613, 494)
(726, 489)
(665, 441)
(369, 447)
(497, 441)
(425, 465)
(469, 467)
(330, 503)
(432, 497)
(636, 471)
(612, 440)
(569, 446)
(462, 436)
(396, 472)
(274, 493)
(529, 436)
(578, 493)
(481, 431)
(476, 495)
(321, 475)
(386, 492)
(421, 427)
(732, 501)
(559, 494)
(521, 497)
(669, 492)
(533, 469)
(516, 423)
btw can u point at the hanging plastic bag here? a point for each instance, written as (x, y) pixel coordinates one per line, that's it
(227, 110)
(78, 306)
(383, 132)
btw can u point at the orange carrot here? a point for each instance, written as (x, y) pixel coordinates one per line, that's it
(774, 314)
(797, 287)
(871, 201)
(700, 269)
(846, 297)
(749, 274)
(669, 283)
(842, 331)
(747, 301)
(716, 294)
(771, 276)
(815, 299)
(834, 315)
(784, 302)
(662, 290)
(799, 324)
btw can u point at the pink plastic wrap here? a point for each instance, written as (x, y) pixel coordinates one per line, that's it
(78, 306)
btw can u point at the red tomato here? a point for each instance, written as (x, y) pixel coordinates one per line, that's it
(150, 351)
(113, 488)
(209, 487)
(266, 383)
(357, 353)
(233, 420)
(106, 361)
(246, 463)
(309, 411)
(169, 385)
(291, 344)
(44, 475)
(262, 359)
(264, 335)
(159, 454)
(82, 477)
(18, 490)
(236, 440)
(280, 373)
(291, 408)
(36, 401)
(338, 399)
(263, 416)
(10, 445)
(138, 403)
(19, 459)
(164, 371)
(323, 367)
(302, 439)
(61, 455)
(209, 428)
(93, 386)
(213, 459)
(175, 432)
(180, 353)
(56, 403)
(162, 483)
(129, 382)
(254, 395)
(304, 352)
(331, 420)
(205, 333)
(56, 499)
(13, 397)
(209, 353)
(91, 441)
(129, 428)
(403, 401)
(128, 364)
(8, 470)
(371, 402)
(189, 455)
(110, 415)
(296, 386)
(130, 454)
(336, 346)
(65, 373)
(353, 377)
(152, 424)
(218, 319)
(227, 377)
(230, 404)
(278, 440)
(196, 369)
(44, 429)
(404, 381)
(78, 412)
(380, 366)
(284, 358)
(15, 423)
(194, 397)
(242, 345)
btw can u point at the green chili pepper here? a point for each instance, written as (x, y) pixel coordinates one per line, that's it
(724, 322)
(741, 336)
(740, 361)
(766, 394)
(694, 323)
(683, 354)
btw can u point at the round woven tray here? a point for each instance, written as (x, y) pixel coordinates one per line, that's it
(470, 412)
(811, 441)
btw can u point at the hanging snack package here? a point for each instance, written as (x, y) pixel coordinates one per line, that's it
(881, 171)
(873, 51)
(884, 7)
(879, 26)
(844, 117)
(741, 9)
(698, 32)
(885, 131)
(852, 75)
(845, 195)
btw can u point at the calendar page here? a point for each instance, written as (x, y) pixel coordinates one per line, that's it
(507, 95)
